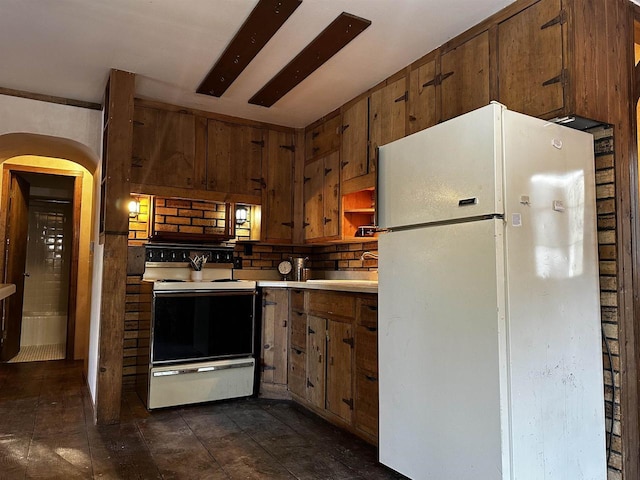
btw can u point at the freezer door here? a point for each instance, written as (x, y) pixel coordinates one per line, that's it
(441, 352)
(450, 171)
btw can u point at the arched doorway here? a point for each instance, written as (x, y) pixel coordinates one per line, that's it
(28, 156)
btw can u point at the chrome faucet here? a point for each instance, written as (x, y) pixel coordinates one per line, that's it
(368, 255)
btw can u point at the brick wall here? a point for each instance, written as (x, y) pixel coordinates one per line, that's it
(188, 216)
(606, 212)
(329, 257)
(137, 321)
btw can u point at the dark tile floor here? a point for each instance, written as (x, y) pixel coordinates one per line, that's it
(46, 431)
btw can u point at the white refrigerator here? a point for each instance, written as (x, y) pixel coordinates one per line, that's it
(490, 353)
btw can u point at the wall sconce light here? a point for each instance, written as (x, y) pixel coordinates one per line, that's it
(134, 208)
(241, 215)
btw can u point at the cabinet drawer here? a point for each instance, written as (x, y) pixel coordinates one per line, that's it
(297, 299)
(366, 402)
(297, 375)
(367, 348)
(332, 304)
(299, 330)
(368, 311)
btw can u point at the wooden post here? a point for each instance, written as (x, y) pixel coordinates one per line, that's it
(116, 167)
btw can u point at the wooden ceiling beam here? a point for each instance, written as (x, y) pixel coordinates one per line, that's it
(264, 21)
(330, 41)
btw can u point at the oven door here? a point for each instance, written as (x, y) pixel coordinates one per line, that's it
(202, 325)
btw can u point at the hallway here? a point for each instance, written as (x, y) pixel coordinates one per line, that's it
(46, 431)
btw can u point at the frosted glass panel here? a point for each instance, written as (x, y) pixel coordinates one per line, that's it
(48, 261)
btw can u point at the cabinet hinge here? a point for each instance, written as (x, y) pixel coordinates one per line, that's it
(291, 148)
(371, 378)
(258, 142)
(344, 127)
(560, 19)
(444, 76)
(260, 181)
(310, 330)
(327, 171)
(348, 341)
(348, 401)
(315, 150)
(288, 224)
(344, 164)
(268, 302)
(403, 98)
(136, 161)
(309, 384)
(371, 329)
(431, 83)
(326, 220)
(305, 224)
(268, 367)
(315, 134)
(558, 79)
(306, 179)
(138, 123)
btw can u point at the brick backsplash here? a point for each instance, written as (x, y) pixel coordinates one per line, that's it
(327, 257)
(189, 216)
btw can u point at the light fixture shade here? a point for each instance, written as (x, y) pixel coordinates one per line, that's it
(241, 215)
(134, 207)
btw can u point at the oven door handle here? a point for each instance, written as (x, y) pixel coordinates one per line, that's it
(208, 368)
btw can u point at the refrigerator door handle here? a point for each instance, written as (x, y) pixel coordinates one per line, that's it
(465, 202)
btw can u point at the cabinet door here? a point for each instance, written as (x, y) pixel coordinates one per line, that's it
(234, 158)
(422, 97)
(324, 138)
(464, 77)
(297, 372)
(275, 316)
(339, 367)
(530, 59)
(277, 202)
(366, 402)
(355, 148)
(387, 113)
(163, 150)
(313, 199)
(331, 195)
(316, 350)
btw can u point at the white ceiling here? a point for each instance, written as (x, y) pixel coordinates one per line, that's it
(65, 48)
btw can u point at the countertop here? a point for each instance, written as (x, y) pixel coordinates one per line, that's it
(360, 286)
(7, 289)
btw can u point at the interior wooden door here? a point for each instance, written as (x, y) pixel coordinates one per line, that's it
(16, 244)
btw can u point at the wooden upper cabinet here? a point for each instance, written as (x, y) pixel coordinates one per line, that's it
(277, 198)
(464, 77)
(387, 112)
(323, 138)
(163, 150)
(422, 97)
(322, 198)
(355, 132)
(234, 158)
(531, 72)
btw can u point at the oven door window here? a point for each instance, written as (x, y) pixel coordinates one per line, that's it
(199, 326)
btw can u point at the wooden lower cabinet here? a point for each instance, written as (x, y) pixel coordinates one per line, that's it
(274, 350)
(340, 343)
(297, 372)
(316, 355)
(333, 358)
(366, 403)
